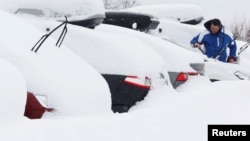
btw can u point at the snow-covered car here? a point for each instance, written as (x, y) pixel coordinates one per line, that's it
(132, 20)
(181, 34)
(179, 63)
(19, 102)
(183, 13)
(178, 75)
(123, 63)
(51, 71)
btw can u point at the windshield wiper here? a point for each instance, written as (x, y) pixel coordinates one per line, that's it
(36, 47)
(243, 48)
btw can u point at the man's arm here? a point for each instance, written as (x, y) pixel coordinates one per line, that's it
(194, 40)
(232, 53)
(195, 43)
(233, 49)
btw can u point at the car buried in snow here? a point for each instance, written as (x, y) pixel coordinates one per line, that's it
(124, 63)
(177, 76)
(125, 19)
(180, 65)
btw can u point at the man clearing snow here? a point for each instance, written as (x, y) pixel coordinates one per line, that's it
(215, 41)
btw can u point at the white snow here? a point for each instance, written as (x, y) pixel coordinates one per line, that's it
(12, 100)
(178, 12)
(58, 9)
(82, 98)
(228, 12)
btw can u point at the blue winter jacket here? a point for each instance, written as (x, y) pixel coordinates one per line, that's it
(213, 43)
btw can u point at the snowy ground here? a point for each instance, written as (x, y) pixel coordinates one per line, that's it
(83, 99)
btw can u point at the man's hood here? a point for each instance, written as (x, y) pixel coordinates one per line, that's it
(208, 24)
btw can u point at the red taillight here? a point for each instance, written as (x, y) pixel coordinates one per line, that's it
(34, 109)
(137, 82)
(183, 76)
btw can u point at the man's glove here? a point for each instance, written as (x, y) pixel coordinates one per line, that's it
(231, 59)
(196, 45)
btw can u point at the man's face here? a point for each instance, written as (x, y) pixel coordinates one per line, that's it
(214, 28)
